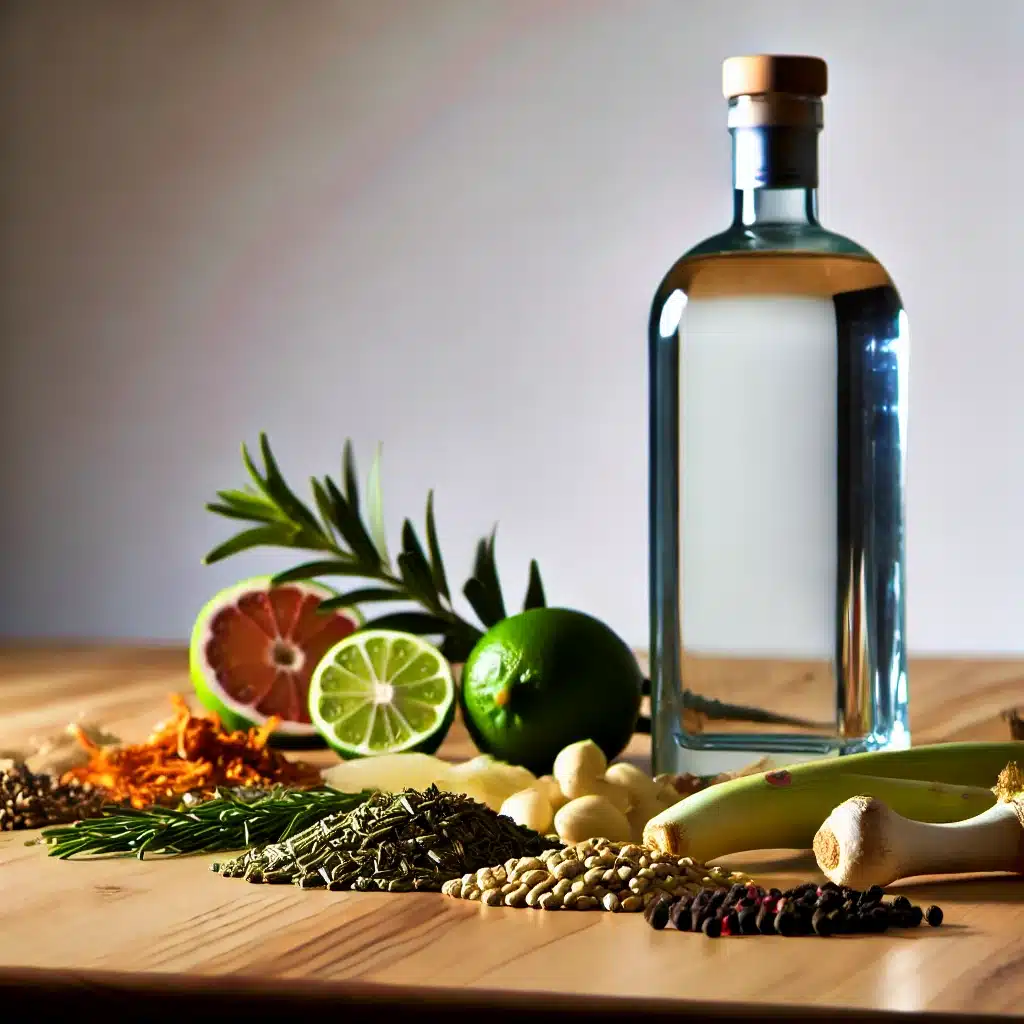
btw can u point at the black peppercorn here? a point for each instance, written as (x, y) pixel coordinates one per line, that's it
(829, 900)
(822, 924)
(901, 903)
(748, 921)
(785, 923)
(765, 922)
(933, 915)
(879, 919)
(873, 895)
(712, 928)
(851, 923)
(656, 913)
(681, 917)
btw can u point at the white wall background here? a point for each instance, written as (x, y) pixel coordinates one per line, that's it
(438, 224)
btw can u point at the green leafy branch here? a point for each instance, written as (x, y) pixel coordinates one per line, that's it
(353, 544)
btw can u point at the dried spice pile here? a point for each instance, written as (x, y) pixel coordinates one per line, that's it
(30, 800)
(808, 909)
(405, 842)
(593, 875)
(189, 754)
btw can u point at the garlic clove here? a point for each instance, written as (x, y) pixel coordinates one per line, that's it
(530, 809)
(640, 786)
(591, 817)
(617, 796)
(578, 765)
(548, 785)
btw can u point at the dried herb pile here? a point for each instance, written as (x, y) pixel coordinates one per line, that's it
(188, 754)
(403, 842)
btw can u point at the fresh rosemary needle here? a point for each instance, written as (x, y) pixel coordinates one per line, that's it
(230, 820)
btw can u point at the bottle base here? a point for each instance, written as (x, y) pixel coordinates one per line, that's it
(714, 755)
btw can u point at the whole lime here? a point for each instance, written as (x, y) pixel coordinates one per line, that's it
(546, 678)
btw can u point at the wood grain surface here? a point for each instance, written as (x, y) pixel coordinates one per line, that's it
(161, 919)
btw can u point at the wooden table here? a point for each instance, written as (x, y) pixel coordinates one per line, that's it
(174, 928)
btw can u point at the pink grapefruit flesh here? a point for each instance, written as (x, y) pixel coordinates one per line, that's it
(257, 649)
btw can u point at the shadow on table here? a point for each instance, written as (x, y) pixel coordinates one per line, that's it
(156, 999)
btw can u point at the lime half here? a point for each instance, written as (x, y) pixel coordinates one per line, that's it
(381, 692)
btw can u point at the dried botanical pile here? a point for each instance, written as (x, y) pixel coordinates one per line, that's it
(59, 752)
(30, 800)
(402, 842)
(593, 875)
(188, 754)
(808, 909)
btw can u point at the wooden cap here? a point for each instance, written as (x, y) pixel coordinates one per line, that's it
(764, 73)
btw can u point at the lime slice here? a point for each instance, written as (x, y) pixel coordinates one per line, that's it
(382, 692)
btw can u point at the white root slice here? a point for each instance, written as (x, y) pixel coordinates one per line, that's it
(863, 842)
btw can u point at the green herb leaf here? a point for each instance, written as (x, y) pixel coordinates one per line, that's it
(348, 474)
(486, 571)
(534, 589)
(364, 595)
(255, 473)
(350, 526)
(279, 490)
(415, 569)
(410, 622)
(375, 510)
(481, 601)
(258, 536)
(231, 512)
(323, 504)
(460, 641)
(323, 567)
(254, 505)
(436, 562)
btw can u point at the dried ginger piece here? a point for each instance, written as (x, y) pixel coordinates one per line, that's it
(188, 754)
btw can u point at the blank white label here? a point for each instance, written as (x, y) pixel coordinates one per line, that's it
(758, 476)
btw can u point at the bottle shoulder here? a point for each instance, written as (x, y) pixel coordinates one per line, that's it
(792, 238)
(804, 260)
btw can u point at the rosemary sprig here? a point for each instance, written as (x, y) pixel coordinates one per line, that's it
(230, 820)
(354, 546)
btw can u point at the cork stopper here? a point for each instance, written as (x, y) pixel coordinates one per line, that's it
(774, 73)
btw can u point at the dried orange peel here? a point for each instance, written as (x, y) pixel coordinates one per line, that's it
(188, 754)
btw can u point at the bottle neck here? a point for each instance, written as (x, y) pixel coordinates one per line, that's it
(775, 161)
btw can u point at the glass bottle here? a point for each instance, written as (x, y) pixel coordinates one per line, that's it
(778, 426)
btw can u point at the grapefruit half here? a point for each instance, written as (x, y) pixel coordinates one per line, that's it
(254, 648)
